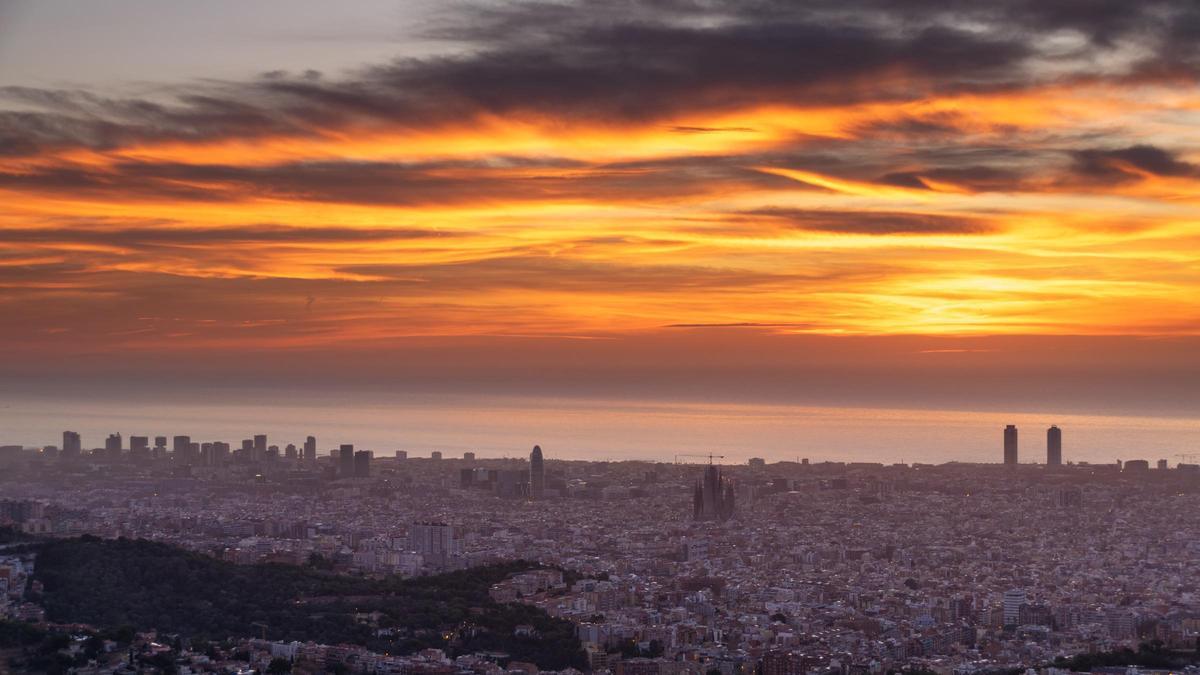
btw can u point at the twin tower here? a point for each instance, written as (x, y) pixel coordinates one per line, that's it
(1053, 445)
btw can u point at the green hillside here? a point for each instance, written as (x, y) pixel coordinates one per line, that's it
(147, 585)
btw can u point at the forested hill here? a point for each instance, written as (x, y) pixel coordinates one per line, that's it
(148, 585)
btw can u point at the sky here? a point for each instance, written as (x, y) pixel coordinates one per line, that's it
(953, 204)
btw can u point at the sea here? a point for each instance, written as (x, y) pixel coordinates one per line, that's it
(594, 428)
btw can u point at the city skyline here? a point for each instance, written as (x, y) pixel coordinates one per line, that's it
(352, 463)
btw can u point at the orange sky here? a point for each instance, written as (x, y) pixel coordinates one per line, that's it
(1038, 176)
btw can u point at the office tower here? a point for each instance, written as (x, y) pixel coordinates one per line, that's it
(401, 454)
(160, 442)
(180, 445)
(139, 444)
(713, 498)
(436, 454)
(537, 473)
(113, 443)
(310, 449)
(434, 541)
(466, 478)
(1053, 446)
(290, 451)
(71, 445)
(346, 461)
(1162, 465)
(469, 456)
(220, 453)
(1010, 444)
(260, 446)
(362, 464)
(1012, 606)
(206, 454)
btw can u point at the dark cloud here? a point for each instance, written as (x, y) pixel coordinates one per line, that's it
(638, 61)
(972, 178)
(873, 222)
(1127, 164)
(177, 236)
(533, 271)
(389, 184)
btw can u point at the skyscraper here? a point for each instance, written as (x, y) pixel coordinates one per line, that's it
(139, 447)
(180, 446)
(310, 449)
(258, 451)
(113, 443)
(714, 497)
(1054, 446)
(1012, 606)
(362, 464)
(71, 445)
(346, 461)
(1010, 444)
(537, 473)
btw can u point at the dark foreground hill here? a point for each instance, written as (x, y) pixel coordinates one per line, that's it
(147, 585)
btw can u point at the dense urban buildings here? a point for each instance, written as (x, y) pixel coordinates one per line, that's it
(681, 569)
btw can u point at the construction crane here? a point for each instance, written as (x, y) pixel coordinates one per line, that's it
(710, 457)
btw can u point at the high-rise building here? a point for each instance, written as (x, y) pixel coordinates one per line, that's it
(160, 442)
(179, 445)
(714, 497)
(310, 449)
(1010, 444)
(436, 454)
(258, 449)
(71, 445)
(434, 541)
(113, 443)
(401, 455)
(1054, 446)
(362, 464)
(346, 461)
(469, 456)
(537, 473)
(220, 453)
(290, 451)
(1012, 606)
(139, 447)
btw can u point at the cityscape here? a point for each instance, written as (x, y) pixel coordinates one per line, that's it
(665, 568)
(600, 337)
